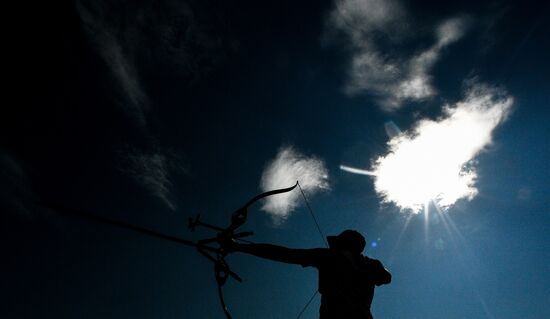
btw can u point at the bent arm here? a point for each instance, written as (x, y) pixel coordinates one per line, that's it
(383, 276)
(274, 252)
(380, 275)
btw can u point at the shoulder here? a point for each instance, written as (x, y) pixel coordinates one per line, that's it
(315, 256)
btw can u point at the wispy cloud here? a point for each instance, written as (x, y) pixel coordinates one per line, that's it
(168, 37)
(284, 170)
(391, 77)
(118, 54)
(154, 172)
(435, 160)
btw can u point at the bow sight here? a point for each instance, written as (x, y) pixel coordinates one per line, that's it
(217, 254)
(224, 236)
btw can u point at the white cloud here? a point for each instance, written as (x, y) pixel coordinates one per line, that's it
(450, 31)
(391, 77)
(436, 159)
(284, 170)
(360, 17)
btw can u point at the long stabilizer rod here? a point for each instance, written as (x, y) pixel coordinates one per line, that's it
(102, 220)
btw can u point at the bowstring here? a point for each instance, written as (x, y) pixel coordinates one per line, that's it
(324, 241)
(307, 304)
(313, 215)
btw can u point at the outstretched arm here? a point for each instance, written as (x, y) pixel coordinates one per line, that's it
(276, 253)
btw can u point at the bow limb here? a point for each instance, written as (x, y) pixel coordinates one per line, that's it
(237, 220)
(222, 301)
(269, 193)
(239, 217)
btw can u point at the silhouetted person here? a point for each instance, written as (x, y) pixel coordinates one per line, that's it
(346, 277)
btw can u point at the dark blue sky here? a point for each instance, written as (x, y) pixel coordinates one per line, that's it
(151, 112)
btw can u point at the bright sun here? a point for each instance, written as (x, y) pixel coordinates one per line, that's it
(435, 161)
(417, 173)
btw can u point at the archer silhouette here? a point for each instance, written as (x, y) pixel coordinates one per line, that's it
(346, 277)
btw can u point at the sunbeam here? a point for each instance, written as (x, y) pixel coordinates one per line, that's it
(398, 242)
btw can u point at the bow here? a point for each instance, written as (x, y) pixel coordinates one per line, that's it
(217, 254)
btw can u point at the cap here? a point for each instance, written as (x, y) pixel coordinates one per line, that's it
(347, 240)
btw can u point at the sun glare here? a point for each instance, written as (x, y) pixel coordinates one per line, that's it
(435, 161)
(419, 172)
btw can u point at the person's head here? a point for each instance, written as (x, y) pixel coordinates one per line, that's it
(349, 240)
